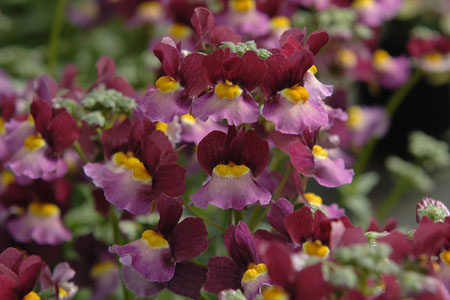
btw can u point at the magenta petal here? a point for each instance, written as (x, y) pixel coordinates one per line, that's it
(237, 111)
(163, 107)
(137, 283)
(170, 211)
(294, 118)
(240, 244)
(154, 264)
(316, 89)
(277, 212)
(188, 280)
(32, 164)
(302, 158)
(42, 230)
(331, 173)
(223, 273)
(188, 239)
(231, 192)
(127, 193)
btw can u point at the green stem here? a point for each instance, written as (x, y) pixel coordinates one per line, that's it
(392, 199)
(274, 197)
(114, 220)
(203, 217)
(58, 18)
(237, 216)
(228, 217)
(391, 107)
(79, 150)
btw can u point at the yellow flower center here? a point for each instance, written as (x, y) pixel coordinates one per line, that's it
(231, 170)
(167, 84)
(296, 94)
(188, 118)
(154, 239)
(313, 69)
(360, 4)
(280, 22)
(242, 6)
(434, 58)
(319, 152)
(2, 126)
(149, 10)
(179, 31)
(445, 256)
(346, 58)
(313, 199)
(6, 177)
(31, 296)
(161, 126)
(30, 119)
(228, 90)
(355, 117)
(34, 142)
(132, 163)
(254, 271)
(62, 293)
(101, 268)
(316, 249)
(274, 293)
(43, 209)
(381, 59)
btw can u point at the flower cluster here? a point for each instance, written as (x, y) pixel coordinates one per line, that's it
(206, 182)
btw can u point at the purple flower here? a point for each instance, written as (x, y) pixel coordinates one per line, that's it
(59, 280)
(232, 79)
(288, 102)
(40, 223)
(38, 157)
(315, 163)
(242, 270)
(140, 168)
(233, 161)
(194, 130)
(159, 258)
(174, 91)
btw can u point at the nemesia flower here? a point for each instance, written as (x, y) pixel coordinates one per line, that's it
(174, 91)
(315, 163)
(159, 258)
(106, 69)
(233, 161)
(232, 78)
(242, 270)
(375, 12)
(56, 130)
(140, 167)
(383, 68)
(288, 104)
(18, 274)
(363, 123)
(59, 280)
(431, 54)
(243, 16)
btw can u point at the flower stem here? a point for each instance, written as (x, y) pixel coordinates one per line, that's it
(255, 219)
(392, 199)
(55, 35)
(237, 216)
(391, 107)
(114, 220)
(79, 150)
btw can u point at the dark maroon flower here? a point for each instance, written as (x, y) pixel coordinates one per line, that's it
(242, 270)
(18, 274)
(233, 161)
(141, 167)
(159, 258)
